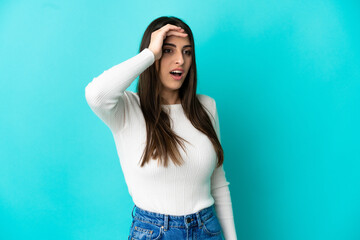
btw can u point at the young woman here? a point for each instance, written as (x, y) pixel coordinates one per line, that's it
(167, 138)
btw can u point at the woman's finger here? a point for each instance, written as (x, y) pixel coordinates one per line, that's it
(170, 27)
(175, 33)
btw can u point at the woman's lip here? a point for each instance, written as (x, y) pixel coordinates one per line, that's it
(178, 69)
(177, 77)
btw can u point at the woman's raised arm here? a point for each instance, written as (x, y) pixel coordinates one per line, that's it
(105, 93)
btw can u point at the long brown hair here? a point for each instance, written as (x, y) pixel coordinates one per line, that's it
(161, 141)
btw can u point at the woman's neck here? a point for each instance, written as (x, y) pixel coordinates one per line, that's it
(171, 97)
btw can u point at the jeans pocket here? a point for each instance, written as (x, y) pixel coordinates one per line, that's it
(212, 226)
(145, 231)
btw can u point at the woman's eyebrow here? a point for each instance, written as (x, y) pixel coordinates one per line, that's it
(173, 45)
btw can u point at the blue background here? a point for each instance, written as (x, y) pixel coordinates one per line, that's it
(286, 78)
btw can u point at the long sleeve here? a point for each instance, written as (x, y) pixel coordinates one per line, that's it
(105, 93)
(221, 193)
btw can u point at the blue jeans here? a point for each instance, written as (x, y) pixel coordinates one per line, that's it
(203, 224)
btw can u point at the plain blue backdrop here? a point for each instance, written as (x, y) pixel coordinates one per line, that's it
(286, 78)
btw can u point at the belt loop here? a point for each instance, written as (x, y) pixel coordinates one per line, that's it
(166, 222)
(132, 211)
(198, 218)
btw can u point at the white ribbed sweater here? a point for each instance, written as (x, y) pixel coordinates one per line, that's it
(174, 190)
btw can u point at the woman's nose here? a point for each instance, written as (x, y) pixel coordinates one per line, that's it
(179, 58)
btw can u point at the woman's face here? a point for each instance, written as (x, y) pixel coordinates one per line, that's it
(176, 54)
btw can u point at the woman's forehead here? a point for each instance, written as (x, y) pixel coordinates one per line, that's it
(178, 41)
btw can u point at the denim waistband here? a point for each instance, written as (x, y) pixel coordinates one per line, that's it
(166, 221)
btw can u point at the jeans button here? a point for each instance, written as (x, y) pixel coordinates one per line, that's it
(188, 220)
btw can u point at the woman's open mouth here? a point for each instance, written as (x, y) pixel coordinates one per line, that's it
(177, 75)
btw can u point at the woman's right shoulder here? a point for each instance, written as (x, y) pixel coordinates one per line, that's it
(132, 97)
(134, 94)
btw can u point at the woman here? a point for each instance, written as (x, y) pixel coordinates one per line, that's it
(167, 138)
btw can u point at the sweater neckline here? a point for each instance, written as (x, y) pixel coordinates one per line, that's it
(174, 107)
(171, 105)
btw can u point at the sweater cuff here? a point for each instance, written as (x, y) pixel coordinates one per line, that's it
(149, 53)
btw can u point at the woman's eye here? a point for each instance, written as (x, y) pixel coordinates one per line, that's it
(188, 52)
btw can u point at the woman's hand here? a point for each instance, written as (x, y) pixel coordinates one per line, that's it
(158, 37)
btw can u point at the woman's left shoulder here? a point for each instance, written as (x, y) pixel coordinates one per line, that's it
(208, 102)
(205, 99)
